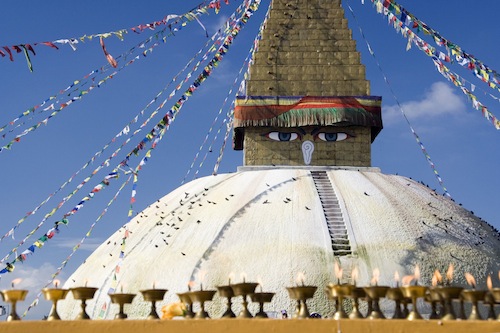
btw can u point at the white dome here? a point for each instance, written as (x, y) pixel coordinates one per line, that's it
(270, 223)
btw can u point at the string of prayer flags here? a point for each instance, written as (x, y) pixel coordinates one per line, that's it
(246, 62)
(124, 131)
(83, 92)
(7, 50)
(61, 105)
(156, 134)
(40, 242)
(75, 248)
(109, 57)
(415, 135)
(438, 57)
(114, 282)
(393, 10)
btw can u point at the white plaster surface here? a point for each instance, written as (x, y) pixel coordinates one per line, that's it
(256, 223)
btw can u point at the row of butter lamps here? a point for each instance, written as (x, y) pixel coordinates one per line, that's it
(444, 295)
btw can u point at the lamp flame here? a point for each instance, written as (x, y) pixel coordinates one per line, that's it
(406, 280)
(56, 283)
(337, 271)
(489, 283)
(417, 273)
(243, 276)
(449, 273)
(231, 277)
(434, 280)
(375, 276)
(470, 280)
(354, 275)
(259, 281)
(396, 278)
(190, 285)
(201, 275)
(300, 278)
(437, 278)
(15, 281)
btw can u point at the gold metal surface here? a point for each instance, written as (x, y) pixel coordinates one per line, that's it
(83, 294)
(414, 292)
(227, 292)
(201, 297)
(54, 295)
(474, 296)
(376, 293)
(302, 294)
(340, 291)
(449, 294)
(13, 296)
(121, 299)
(261, 298)
(153, 296)
(244, 289)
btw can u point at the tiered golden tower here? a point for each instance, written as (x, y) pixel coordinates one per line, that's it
(307, 52)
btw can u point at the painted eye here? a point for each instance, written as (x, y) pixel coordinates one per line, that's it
(282, 136)
(332, 137)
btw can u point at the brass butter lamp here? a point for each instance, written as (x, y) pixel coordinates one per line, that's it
(449, 294)
(201, 296)
(302, 294)
(83, 294)
(495, 292)
(434, 298)
(357, 293)
(375, 293)
(474, 297)
(121, 299)
(54, 295)
(13, 296)
(339, 292)
(244, 289)
(414, 293)
(396, 295)
(227, 292)
(153, 296)
(261, 298)
(188, 302)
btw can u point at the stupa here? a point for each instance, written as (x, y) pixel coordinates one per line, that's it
(305, 198)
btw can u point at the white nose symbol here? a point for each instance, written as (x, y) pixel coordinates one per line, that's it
(307, 151)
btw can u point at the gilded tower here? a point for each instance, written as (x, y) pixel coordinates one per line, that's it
(307, 100)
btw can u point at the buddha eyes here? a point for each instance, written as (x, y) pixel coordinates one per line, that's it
(332, 137)
(291, 136)
(282, 136)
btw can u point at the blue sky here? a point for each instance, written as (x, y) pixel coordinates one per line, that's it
(462, 144)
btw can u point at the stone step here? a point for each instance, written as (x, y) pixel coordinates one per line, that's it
(340, 253)
(337, 247)
(340, 241)
(335, 220)
(336, 224)
(333, 214)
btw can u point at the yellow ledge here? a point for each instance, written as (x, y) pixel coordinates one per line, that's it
(251, 326)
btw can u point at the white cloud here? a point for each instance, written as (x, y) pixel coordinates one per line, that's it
(441, 99)
(88, 245)
(33, 279)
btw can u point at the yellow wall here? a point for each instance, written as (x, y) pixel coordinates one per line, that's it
(251, 326)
